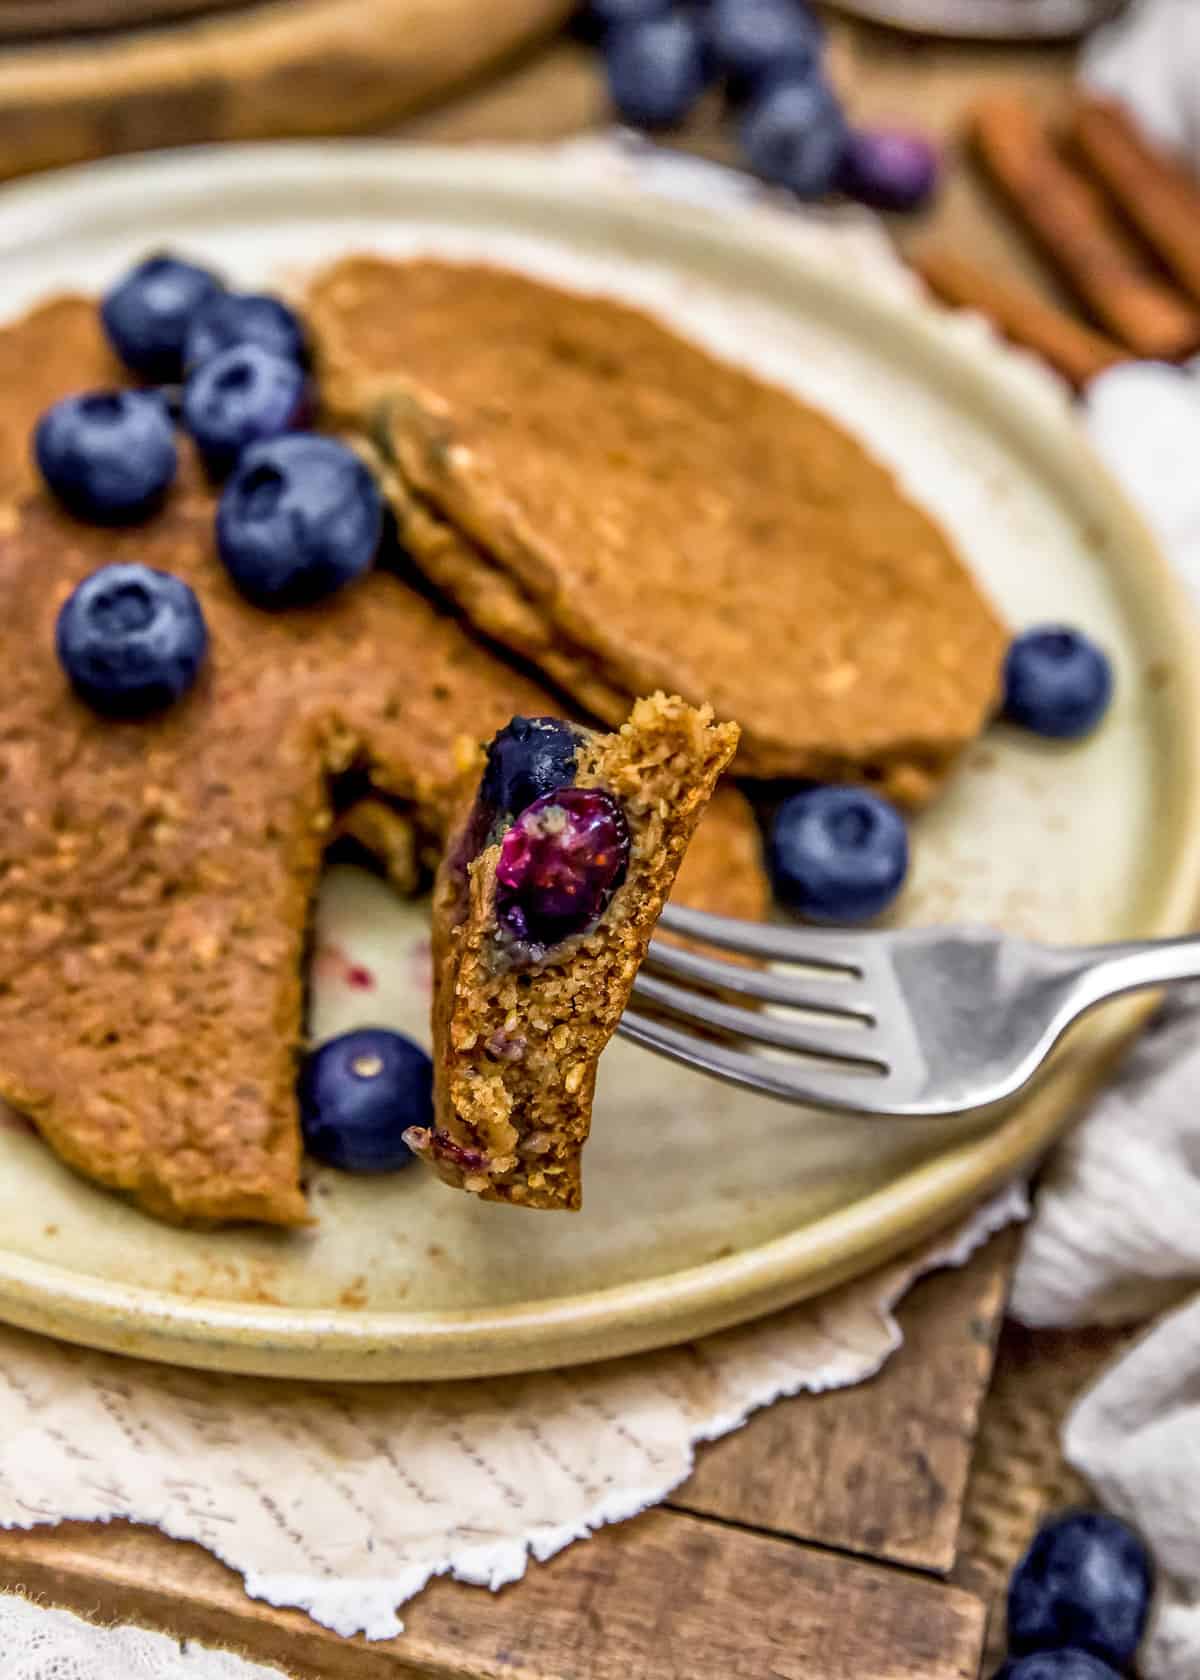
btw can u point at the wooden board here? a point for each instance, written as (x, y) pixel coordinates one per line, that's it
(283, 68)
(35, 20)
(663, 1597)
(880, 1469)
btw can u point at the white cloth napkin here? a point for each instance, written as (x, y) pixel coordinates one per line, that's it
(1116, 1237)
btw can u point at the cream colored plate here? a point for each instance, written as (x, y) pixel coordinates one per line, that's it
(703, 1207)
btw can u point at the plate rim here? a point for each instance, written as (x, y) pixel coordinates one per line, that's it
(361, 1345)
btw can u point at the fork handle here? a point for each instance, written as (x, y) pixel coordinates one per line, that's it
(1109, 971)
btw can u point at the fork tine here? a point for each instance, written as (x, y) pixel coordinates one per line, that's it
(824, 992)
(812, 947)
(754, 1024)
(843, 1091)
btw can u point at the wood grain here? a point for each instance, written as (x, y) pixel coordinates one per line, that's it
(290, 68)
(880, 1469)
(24, 20)
(664, 1596)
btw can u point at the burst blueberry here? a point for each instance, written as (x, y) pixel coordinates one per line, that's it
(147, 314)
(794, 135)
(1085, 1583)
(560, 864)
(529, 758)
(108, 456)
(655, 70)
(244, 395)
(838, 854)
(245, 318)
(1057, 682)
(889, 169)
(300, 518)
(754, 42)
(1057, 1665)
(359, 1094)
(131, 640)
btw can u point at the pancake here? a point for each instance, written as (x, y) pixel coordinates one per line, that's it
(156, 878)
(634, 514)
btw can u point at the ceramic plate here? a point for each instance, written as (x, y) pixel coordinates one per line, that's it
(704, 1207)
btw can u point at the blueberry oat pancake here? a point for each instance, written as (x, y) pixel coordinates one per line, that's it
(544, 905)
(632, 514)
(180, 737)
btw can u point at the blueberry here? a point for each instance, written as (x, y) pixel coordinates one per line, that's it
(300, 518)
(655, 70)
(755, 41)
(244, 318)
(245, 395)
(359, 1094)
(1085, 1583)
(1057, 1665)
(131, 640)
(147, 314)
(794, 135)
(838, 854)
(528, 759)
(890, 169)
(559, 865)
(1057, 682)
(109, 456)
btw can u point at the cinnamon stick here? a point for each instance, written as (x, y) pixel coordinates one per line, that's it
(1081, 235)
(1158, 193)
(1073, 350)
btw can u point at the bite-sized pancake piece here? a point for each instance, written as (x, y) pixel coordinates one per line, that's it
(542, 917)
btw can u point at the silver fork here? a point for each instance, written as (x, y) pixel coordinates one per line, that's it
(918, 1023)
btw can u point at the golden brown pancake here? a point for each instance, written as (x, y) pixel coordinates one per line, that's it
(156, 877)
(635, 514)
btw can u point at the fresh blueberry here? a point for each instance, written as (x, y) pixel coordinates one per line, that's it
(756, 41)
(147, 314)
(1085, 1583)
(559, 865)
(655, 70)
(794, 136)
(300, 518)
(890, 169)
(838, 854)
(359, 1094)
(131, 640)
(244, 318)
(528, 759)
(245, 395)
(1057, 682)
(109, 456)
(1057, 1665)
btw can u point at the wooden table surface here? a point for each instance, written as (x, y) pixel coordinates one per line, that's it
(821, 1542)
